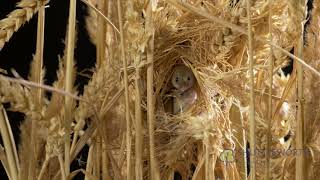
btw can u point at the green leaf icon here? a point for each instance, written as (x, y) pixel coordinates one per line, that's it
(227, 156)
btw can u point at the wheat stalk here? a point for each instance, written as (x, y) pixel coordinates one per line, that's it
(150, 94)
(4, 161)
(101, 14)
(101, 37)
(9, 144)
(17, 18)
(300, 134)
(269, 115)
(101, 56)
(37, 77)
(42, 86)
(252, 133)
(126, 87)
(69, 82)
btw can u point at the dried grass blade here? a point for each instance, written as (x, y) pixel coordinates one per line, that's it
(9, 144)
(4, 161)
(138, 130)
(61, 163)
(105, 163)
(269, 111)
(36, 76)
(43, 168)
(101, 14)
(42, 86)
(252, 121)
(150, 94)
(90, 160)
(101, 37)
(198, 168)
(126, 87)
(69, 82)
(300, 159)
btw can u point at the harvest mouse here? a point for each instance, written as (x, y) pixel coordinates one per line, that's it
(185, 95)
(184, 100)
(182, 78)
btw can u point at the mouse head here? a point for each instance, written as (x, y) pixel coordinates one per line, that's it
(182, 78)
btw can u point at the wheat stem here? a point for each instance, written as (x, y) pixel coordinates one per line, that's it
(69, 81)
(207, 159)
(39, 48)
(101, 37)
(244, 140)
(138, 129)
(9, 144)
(269, 119)
(150, 95)
(300, 160)
(74, 140)
(105, 162)
(43, 169)
(4, 161)
(97, 165)
(42, 86)
(63, 174)
(89, 160)
(37, 78)
(102, 15)
(126, 86)
(252, 133)
(196, 172)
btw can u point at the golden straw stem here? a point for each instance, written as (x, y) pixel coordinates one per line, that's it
(300, 160)
(101, 56)
(138, 129)
(69, 82)
(74, 140)
(38, 79)
(197, 174)
(269, 119)
(110, 32)
(39, 49)
(89, 166)
(207, 160)
(244, 139)
(126, 87)
(252, 121)
(43, 168)
(63, 174)
(105, 162)
(8, 143)
(101, 37)
(4, 161)
(42, 86)
(98, 156)
(101, 14)
(150, 97)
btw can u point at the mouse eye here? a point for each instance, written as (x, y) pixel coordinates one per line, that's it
(189, 78)
(177, 79)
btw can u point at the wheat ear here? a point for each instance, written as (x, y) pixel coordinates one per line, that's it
(17, 18)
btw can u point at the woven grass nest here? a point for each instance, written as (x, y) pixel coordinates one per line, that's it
(211, 39)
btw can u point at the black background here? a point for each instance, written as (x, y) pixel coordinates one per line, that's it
(19, 51)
